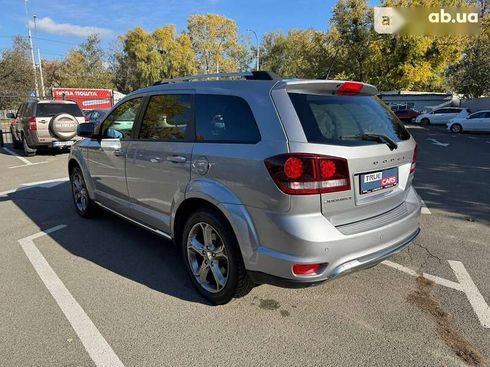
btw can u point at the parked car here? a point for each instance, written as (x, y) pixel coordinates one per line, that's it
(441, 116)
(262, 180)
(51, 124)
(95, 115)
(407, 115)
(478, 121)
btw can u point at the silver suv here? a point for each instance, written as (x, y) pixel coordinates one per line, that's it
(262, 180)
(50, 124)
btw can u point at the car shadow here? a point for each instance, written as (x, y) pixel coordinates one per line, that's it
(108, 241)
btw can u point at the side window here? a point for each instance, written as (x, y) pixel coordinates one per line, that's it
(119, 124)
(225, 119)
(29, 111)
(487, 115)
(19, 111)
(167, 117)
(22, 110)
(478, 115)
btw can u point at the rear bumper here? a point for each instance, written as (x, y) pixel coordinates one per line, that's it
(312, 239)
(351, 266)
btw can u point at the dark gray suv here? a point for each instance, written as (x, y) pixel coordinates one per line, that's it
(261, 180)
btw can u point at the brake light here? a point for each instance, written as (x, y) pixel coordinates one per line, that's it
(306, 174)
(414, 161)
(306, 269)
(32, 124)
(349, 89)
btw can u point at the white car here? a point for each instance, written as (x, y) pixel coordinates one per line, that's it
(478, 121)
(441, 116)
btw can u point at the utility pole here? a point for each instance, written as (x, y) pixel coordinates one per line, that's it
(43, 92)
(32, 52)
(257, 60)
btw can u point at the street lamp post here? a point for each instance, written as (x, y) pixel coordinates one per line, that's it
(36, 91)
(43, 93)
(257, 63)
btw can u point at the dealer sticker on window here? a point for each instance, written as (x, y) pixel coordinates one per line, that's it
(374, 181)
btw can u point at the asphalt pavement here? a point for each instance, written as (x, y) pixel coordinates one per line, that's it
(103, 291)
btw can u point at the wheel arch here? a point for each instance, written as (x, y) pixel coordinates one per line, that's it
(236, 215)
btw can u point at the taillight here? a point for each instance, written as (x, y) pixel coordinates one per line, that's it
(306, 174)
(414, 160)
(349, 89)
(86, 119)
(32, 124)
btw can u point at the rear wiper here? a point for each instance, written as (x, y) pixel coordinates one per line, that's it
(375, 137)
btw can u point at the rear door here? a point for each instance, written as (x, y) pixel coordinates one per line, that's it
(486, 122)
(158, 161)
(474, 122)
(379, 176)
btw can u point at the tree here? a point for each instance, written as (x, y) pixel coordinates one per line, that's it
(471, 75)
(145, 58)
(84, 67)
(352, 24)
(215, 42)
(299, 54)
(16, 74)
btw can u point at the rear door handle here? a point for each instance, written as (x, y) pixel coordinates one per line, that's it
(118, 153)
(176, 158)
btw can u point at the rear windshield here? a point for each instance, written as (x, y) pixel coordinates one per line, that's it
(52, 109)
(341, 120)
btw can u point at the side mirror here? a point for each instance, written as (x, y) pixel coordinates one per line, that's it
(10, 115)
(86, 130)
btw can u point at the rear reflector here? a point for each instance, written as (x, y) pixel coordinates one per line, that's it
(414, 160)
(349, 89)
(306, 269)
(306, 174)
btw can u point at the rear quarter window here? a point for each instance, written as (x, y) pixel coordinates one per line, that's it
(53, 109)
(225, 119)
(340, 120)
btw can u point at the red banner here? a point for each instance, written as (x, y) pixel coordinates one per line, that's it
(87, 99)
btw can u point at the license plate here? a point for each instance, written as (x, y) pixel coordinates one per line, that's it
(63, 143)
(379, 180)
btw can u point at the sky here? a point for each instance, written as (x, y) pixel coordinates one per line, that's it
(62, 25)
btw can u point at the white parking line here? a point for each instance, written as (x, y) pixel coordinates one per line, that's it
(472, 293)
(42, 184)
(93, 341)
(465, 284)
(11, 152)
(424, 209)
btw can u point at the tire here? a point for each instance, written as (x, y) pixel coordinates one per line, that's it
(425, 121)
(28, 151)
(215, 266)
(456, 128)
(84, 206)
(63, 126)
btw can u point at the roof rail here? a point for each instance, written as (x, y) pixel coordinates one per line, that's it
(254, 75)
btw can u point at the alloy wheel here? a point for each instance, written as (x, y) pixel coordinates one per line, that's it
(207, 257)
(80, 193)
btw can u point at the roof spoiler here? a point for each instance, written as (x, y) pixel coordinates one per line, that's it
(332, 87)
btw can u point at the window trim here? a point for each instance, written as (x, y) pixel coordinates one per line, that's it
(243, 142)
(191, 130)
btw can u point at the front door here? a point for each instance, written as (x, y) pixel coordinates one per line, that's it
(158, 161)
(107, 156)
